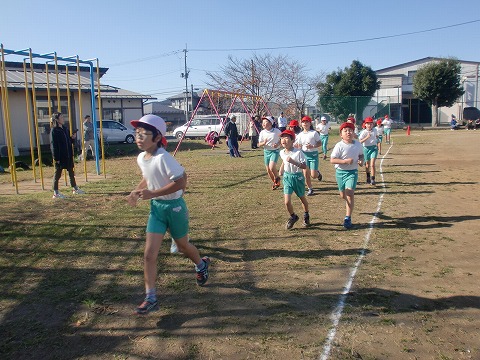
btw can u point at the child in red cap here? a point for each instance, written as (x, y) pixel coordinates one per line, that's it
(293, 179)
(369, 140)
(347, 155)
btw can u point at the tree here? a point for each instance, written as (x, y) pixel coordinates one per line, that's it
(277, 79)
(335, 94)
(438, 84)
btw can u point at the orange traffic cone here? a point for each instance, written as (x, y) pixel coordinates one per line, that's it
(408, 130)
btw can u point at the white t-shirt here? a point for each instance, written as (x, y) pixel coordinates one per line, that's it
(387, 123)
(372, 140)
(379, 130)
(323, 128)
(160, 170)
(310, 137)
(282, 121)
(295, 154)
(343, 150)
(271, 137)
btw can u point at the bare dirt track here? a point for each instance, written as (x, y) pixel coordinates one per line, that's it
(71, 272)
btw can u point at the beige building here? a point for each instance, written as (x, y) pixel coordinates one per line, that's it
(51, 94)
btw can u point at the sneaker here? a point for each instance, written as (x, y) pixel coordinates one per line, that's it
(319, 177)
(276, 183)
(58, 196)
(202, 275)
(347, 223)
(368, 181)
(324, 157)
(78, 191)
(310, 192)
(146, 306)
(306, 220)
(291, 221)
(373, 183)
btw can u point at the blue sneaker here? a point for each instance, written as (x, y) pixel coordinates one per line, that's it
(347, 223)
(146, 306)
(202, 275)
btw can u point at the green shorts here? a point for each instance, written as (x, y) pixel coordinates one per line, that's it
(380, 138)
(270, 156)
(387, 131)
(370, 152)
(294, 183)
(168, 214)
(312, 159)
(346, 179)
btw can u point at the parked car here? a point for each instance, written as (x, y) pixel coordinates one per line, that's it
(199, 127)
(113, 131)
(398, 124)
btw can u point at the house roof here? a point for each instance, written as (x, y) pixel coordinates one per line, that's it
(421, 61)
(16, 80)
(158, 108)
(182, 95)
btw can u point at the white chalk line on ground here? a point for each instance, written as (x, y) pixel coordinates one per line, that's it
(337, 312)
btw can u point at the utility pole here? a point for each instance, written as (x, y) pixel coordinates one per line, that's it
(185, 75)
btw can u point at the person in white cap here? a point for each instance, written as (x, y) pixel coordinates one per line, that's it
(163, 183)
(269, 138)
(323, 128)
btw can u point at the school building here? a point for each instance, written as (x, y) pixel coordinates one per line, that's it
(55, 88)
(396, 92)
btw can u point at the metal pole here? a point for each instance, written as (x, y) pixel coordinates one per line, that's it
(186, 85)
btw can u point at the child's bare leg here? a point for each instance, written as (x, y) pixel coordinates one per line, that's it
(349, 202)
(308, 179)
(288, 203)
(270, 173)
(188, 249)
(372, 166)
(150, 255)
(304, 201)
(273, 169)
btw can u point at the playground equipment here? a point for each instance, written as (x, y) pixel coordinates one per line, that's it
(61, 83)
(251, 104)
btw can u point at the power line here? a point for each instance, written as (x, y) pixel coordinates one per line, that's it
(174, 52)
(343, 42)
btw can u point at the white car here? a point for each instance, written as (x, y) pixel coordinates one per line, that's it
(113, 131)
(200, 127)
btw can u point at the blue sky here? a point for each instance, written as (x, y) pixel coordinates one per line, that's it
(141, 42)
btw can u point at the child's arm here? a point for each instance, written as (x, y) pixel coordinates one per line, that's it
(134, 196)
(280, 171)
(301, 165)
(341, 161)
(360, 160)
(170, 188)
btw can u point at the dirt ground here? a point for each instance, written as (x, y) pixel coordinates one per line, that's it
(416, 293)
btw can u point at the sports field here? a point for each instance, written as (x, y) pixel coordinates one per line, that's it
(403, 284)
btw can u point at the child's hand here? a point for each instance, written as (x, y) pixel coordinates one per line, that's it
(145, 194)
(133, 198)
(348, 161)
(360, 163)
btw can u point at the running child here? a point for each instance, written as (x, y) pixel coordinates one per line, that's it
(309, 141)
(379, 129)
(269, 138)
(387, 128)
(347, 155)
(323, 128)
(293, 161)
(294, 126)
(163, 183)
(369, 140)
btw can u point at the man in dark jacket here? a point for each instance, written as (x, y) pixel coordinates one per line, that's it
(62, 153)
(231, 132)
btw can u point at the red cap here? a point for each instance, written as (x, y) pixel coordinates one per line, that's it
(379, 122)
(352, 119)
(307, 118)
(347, 125)
(368, 120)
(386, 116)
(293, 123)
(289, 133)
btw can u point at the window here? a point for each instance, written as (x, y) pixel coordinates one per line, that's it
(113, 114)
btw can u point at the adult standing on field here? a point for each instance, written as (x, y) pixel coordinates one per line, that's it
(254, 130)
(387, 128)
(282, 122)
(88, 138)
(231, 132)
(62, 152)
